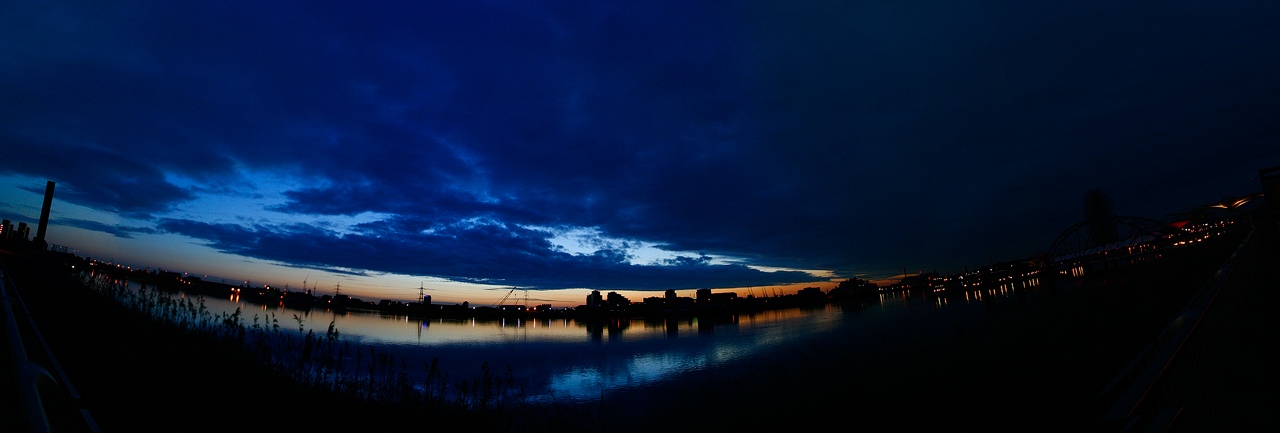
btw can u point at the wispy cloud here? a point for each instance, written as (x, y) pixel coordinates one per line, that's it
(119, 231)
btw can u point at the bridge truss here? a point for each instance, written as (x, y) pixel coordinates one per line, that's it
(1076, 241)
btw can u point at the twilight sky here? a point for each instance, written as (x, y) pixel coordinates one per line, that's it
(470, 146)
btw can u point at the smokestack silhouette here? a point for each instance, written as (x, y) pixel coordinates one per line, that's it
(44, 213)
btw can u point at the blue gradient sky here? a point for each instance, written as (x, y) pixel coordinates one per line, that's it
(473, 146)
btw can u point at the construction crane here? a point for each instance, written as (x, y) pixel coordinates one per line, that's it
(504, 298)
(508, 295)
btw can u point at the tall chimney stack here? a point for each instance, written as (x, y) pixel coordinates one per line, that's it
(44, 213)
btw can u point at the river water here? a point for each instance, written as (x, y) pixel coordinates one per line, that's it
(567, 360)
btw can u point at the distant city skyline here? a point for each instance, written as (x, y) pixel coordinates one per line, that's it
(470, 148)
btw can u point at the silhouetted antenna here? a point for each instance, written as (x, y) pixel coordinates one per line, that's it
(337, 290)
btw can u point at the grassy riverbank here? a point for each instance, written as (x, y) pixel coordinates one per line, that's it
(1027, 368)
(146, 362)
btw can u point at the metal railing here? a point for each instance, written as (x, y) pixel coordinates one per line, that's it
(1188, 378)
(47, 401)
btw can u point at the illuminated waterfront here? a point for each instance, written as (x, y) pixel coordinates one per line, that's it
(581, 359)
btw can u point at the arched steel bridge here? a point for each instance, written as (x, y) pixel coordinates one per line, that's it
(1076, 241)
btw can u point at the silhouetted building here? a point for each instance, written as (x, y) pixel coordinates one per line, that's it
(671, 294)
(6, 230)
(387, 303)
(617, 300)
(426, 300)
(855, 286)
(680, 303)
(722, 298)
(594, 299)
(810, 292)
(23, 233)
(919, 281)
(704, 296)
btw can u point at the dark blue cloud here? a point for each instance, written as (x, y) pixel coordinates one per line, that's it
(104, 179)
(481, 253)
(848, 137)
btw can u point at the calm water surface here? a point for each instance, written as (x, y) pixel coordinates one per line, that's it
(576, 360)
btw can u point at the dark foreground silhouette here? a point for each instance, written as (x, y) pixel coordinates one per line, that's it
(1022, 370)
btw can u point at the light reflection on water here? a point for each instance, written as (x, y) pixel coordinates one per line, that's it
(574, 360)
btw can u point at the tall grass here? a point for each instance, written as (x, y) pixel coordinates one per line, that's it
(327, 363)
